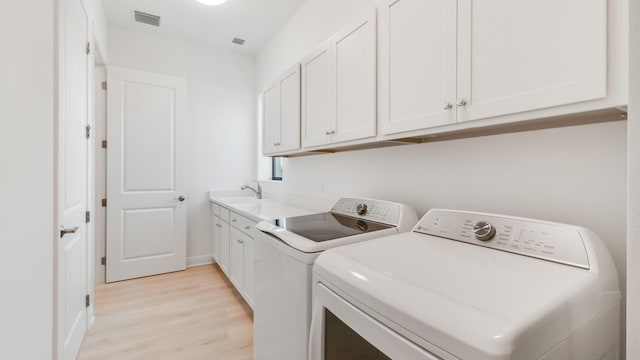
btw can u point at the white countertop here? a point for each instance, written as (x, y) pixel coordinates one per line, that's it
(258, 209)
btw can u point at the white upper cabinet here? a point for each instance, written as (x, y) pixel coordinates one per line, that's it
(317, 107)
(354, 67)
(339, 86)
(271, 119)
(417, 64)
(517, 56)
(443, 61)
(281, 114)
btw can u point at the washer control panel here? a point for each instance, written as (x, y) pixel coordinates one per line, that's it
(375, 210)
(548, 241)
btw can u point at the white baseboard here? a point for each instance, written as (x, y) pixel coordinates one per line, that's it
(199, 260)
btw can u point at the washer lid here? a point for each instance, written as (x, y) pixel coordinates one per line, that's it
(471, 301)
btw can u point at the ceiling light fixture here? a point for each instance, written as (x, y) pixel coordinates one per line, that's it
(211, 2)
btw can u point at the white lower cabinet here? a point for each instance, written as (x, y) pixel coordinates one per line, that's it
(241, 266)
(232, 247)
(223, 237)
(236, 265)
(215, 237)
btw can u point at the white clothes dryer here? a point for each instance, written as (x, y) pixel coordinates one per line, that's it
(467, 285)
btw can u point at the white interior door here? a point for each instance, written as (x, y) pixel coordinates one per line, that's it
(72, 259)
(146, 174)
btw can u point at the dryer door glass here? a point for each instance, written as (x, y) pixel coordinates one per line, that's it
(342, 343)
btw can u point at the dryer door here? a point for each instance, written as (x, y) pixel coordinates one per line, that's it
(340, 331)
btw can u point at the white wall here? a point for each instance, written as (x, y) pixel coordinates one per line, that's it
(633, 256)
(99, 28)
(574, 175)
(26, 163)
(221, 91)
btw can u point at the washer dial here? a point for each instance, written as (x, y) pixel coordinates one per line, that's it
(484, 231)
(361, 209)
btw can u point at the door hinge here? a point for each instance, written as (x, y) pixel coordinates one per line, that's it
(104, 85)
(88, 130)
(88, 48)
(104, 144)
(87, 217)
(103, 260)
(87, 300)
(104, 202)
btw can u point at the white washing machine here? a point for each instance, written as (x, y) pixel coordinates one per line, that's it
(284, 256)
(466, 285)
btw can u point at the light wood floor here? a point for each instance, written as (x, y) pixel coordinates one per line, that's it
(188, 315)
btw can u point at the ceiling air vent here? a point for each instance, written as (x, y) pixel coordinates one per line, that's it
(147, 18)
(237, 41)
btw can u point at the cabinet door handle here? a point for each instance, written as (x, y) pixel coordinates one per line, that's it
(333, 132)
(247, 227)
(461, 102)
(219, 225)
(240, 241)
(234, 220)
(447, 105)
(327, 133)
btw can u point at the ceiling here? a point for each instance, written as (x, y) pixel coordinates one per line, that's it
(255, 21)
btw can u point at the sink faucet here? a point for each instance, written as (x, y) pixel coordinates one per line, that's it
(258, 191)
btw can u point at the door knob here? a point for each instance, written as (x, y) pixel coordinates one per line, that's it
(64, 231)
(180, 198)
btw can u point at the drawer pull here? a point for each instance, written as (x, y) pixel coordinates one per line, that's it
(234, 220)
(239, 241)
(247, 227)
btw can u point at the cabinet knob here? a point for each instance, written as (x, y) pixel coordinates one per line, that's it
(234, 220)
(276, 144)
(327, 133)
(247, 227)
(240, 241)
(448, 105)
(461, 102)
(333, 132)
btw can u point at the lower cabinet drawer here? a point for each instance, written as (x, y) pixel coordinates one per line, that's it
(242, 223)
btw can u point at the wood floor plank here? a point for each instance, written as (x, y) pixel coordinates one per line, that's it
(188, 315)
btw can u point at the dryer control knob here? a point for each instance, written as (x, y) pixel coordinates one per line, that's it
(361, 209)
(484, 231)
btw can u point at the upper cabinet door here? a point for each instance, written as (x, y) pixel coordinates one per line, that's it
(417, 64)
(290, 110)
(516, 56)
(316, 97)
(271, 119)
(354, 67)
